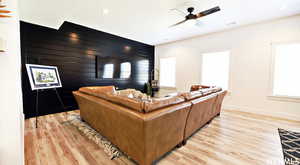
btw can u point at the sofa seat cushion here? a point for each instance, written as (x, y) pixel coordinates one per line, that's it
(156, 103)
(98, 91)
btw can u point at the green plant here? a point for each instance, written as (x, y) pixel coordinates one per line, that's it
(149, 89)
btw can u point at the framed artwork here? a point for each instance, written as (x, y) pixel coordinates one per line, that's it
(43, 77)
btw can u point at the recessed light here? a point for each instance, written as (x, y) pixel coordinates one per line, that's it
(90, 52)
(74, 37)
(105, 11)
(127, 48)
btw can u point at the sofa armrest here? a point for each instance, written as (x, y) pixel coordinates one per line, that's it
(120, 125)
(164, 129)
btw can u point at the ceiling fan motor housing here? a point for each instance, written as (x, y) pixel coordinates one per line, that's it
(191, 15)
(190, 10)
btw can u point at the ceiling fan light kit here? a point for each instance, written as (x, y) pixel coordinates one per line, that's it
(192, 16)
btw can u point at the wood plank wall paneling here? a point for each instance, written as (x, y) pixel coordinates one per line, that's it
(76, 50)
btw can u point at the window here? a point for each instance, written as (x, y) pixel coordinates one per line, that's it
(143, 71)
(167, 75)
(108, 71)
(215, 69)
(286, 68)
(125, 70)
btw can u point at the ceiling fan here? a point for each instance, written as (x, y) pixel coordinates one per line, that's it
(192, 16)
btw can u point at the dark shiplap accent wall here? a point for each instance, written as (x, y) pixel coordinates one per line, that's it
(79, 53)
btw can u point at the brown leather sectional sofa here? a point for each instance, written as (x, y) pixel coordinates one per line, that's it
(147, 128)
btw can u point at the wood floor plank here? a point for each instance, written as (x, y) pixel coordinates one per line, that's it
(233, 138)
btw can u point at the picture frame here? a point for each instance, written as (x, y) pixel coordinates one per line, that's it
(43, 77)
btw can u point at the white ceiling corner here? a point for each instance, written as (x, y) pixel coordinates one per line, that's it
(149, 21)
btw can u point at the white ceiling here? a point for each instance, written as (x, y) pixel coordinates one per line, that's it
(148, 21)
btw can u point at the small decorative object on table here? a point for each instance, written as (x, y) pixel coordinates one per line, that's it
(155, 87)
(149, 89)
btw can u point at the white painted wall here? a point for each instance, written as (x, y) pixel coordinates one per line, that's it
(250, 63)
(11, 120)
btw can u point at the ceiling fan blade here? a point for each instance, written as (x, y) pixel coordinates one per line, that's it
(179, 23)
(2, 6)
(208, 12)
(4, 11)
(4, 16)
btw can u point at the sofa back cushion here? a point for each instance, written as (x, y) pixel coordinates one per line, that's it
(200, 92)
(207, 91)
(132, 98)
(191, 95)
(126, 101)
(134, 94)
(140, 102)
(156, 103)
(99, 91)
(197, 87)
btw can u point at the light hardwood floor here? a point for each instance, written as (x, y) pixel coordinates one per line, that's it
(234, 138)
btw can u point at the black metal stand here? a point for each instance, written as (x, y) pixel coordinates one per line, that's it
(60, 100)
(37, 105)
(36, 108)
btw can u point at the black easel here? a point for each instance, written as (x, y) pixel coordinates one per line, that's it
(37, 104)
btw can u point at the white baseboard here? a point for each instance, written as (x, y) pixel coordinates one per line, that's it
(22, 127)
(262, 112)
